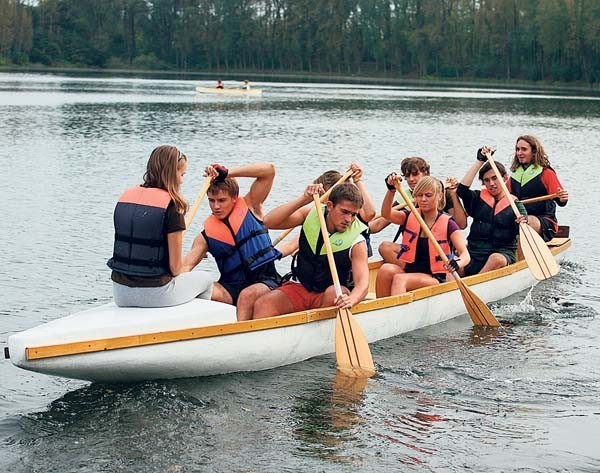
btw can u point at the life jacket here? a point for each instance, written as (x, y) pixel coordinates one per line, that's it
(410, 238)
(493, 222)
(140, 247)
(526, 184)
(310, 265)
(239, 243)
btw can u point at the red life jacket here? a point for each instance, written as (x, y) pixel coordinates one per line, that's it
(410, 238)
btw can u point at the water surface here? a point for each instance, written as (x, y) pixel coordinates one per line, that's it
(446, 398)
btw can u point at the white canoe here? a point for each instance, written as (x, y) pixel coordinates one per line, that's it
(230, 91)
(202, 338)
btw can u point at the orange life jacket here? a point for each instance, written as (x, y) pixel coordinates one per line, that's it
(410, 238)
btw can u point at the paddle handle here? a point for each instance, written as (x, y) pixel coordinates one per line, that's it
(192, 213)
(542, 198)
(323, 198)
(503, 184)
(327, 243)
(424, 226)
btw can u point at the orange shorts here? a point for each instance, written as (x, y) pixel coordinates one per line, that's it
(300, 297)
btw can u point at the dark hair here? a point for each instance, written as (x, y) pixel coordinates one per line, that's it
(487, 167)
(229, 185)
(346, 191)
(161, 172)
(540, 158)
(328, 179)
(414, 164)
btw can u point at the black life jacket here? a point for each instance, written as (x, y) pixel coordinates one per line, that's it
(526, 183)
(140, 239)
(310, 265)
(493, 222)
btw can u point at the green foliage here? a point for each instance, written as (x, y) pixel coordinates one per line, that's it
(557, 40)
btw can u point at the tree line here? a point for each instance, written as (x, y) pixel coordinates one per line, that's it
(555, 40)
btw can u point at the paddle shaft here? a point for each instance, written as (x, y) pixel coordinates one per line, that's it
(542, 198)
(352, 351)
(323, 198)
(478, 310)
(192, 213)
(327, 243)
(424, 226)
(503, 184)
(535, 251)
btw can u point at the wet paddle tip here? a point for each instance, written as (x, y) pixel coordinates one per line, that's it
(356, 371)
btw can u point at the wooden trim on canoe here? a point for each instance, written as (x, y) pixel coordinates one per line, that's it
(297, 318)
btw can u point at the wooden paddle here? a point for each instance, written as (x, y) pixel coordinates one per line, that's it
(535, 251)
(478, 310)
(541, 198)
(324, 197)
(351, 348)
(194, 208)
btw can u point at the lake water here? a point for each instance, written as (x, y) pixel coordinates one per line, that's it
(446, 398)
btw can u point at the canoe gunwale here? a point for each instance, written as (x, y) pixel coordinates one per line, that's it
(297, 318)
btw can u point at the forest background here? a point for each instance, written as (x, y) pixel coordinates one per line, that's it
(555, 41)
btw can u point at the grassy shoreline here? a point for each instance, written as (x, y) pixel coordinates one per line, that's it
(277, 76)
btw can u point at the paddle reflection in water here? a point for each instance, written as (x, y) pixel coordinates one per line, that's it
(329, 417)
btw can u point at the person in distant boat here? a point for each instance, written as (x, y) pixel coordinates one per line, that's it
(492, 240)
(237, 238)
(312, 286)
(147, 264)
(532, 176)
(220, 85)
(422, 265)
(246, 85)
(414, 169)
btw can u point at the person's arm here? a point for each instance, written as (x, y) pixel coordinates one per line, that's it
(174, 243)
(460, 248)
(263, 174)
(456, 210)
(289, 247)
(196, 254)
(469, 177)
(553, 185)
(360, 275)
(395, 216)
(174, 227)
(367, 212)
(378, 224)
(293, 213)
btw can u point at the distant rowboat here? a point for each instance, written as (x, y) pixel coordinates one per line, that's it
(230, 91)
(202, 338)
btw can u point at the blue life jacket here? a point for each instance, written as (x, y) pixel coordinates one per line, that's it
(239, 243)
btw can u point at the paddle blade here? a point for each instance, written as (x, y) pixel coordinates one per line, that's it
(478, 310)
(351, 348)
(539, 258)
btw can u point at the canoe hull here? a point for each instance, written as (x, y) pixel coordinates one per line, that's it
(257, 345)
(231, 91)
